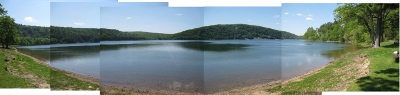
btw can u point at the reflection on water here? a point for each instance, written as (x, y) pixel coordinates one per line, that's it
(190, 66)
(41, 53)
(152, 65)
(208, 46)
(335, 54)
(255, 62)
(82, 59)
(299, 57)
(161, 65)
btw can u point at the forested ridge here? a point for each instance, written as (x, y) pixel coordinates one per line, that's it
(39, 35)
(233, 31)
(359, 23)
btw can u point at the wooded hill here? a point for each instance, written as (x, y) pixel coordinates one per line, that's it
(232, 31)
(38, 35)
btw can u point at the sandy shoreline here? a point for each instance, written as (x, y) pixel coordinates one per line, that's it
(255, 89)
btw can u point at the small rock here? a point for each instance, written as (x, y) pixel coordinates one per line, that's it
(5, 68)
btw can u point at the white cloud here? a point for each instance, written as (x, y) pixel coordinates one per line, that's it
(179, 14)
(276, 23)
(29, 19)
(148, 26)
(299, 14)
(286, 13)
(249, 20)
(276, 16)
(77, 23)
(309, 18)
(309, 15)
(285, 21)
(128, 18)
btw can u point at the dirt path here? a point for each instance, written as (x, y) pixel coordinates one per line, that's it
(357, 69)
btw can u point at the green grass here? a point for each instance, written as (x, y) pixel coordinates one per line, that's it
(383, 75)
(58, 80)
(40, 70)
(7, 80)
(61, 81)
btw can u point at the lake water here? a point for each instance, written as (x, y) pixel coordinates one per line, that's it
(190, 66)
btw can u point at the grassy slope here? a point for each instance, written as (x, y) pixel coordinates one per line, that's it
(383, 74)
(58, 80)
(61, 81)
(7, 80)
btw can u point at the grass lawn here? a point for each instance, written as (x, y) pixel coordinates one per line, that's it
(7, 80)
(369, 69)
(384, 75)
(61, 81)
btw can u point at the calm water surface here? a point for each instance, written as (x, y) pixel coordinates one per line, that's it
(190, 66)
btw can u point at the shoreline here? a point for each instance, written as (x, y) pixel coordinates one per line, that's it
(78, 76)
(259, 88)
(107, 88)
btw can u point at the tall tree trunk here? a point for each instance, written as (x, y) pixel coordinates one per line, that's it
(378, 31)
(382, 30)
(372, 31)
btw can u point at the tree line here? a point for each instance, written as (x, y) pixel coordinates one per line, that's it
(359, 23)
(18, 34)
(233, 31)
(38, 35)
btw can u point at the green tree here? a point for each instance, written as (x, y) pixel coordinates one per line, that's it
(370, 15)
(311, 34)
(8, 31)
(2, 10)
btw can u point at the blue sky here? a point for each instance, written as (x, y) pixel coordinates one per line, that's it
(86, 14)
(297, 17)
(37, 12)
(152, 19)
(71, 14)
(261, 16)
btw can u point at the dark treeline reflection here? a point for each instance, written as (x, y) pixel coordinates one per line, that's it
(208, 46)
(125, 46)
(335, 54)
(196, 45)
(40, 53)
(58, 53)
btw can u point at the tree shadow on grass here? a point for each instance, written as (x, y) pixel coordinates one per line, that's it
(369, 83)
(392, 72)
(392, 46)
